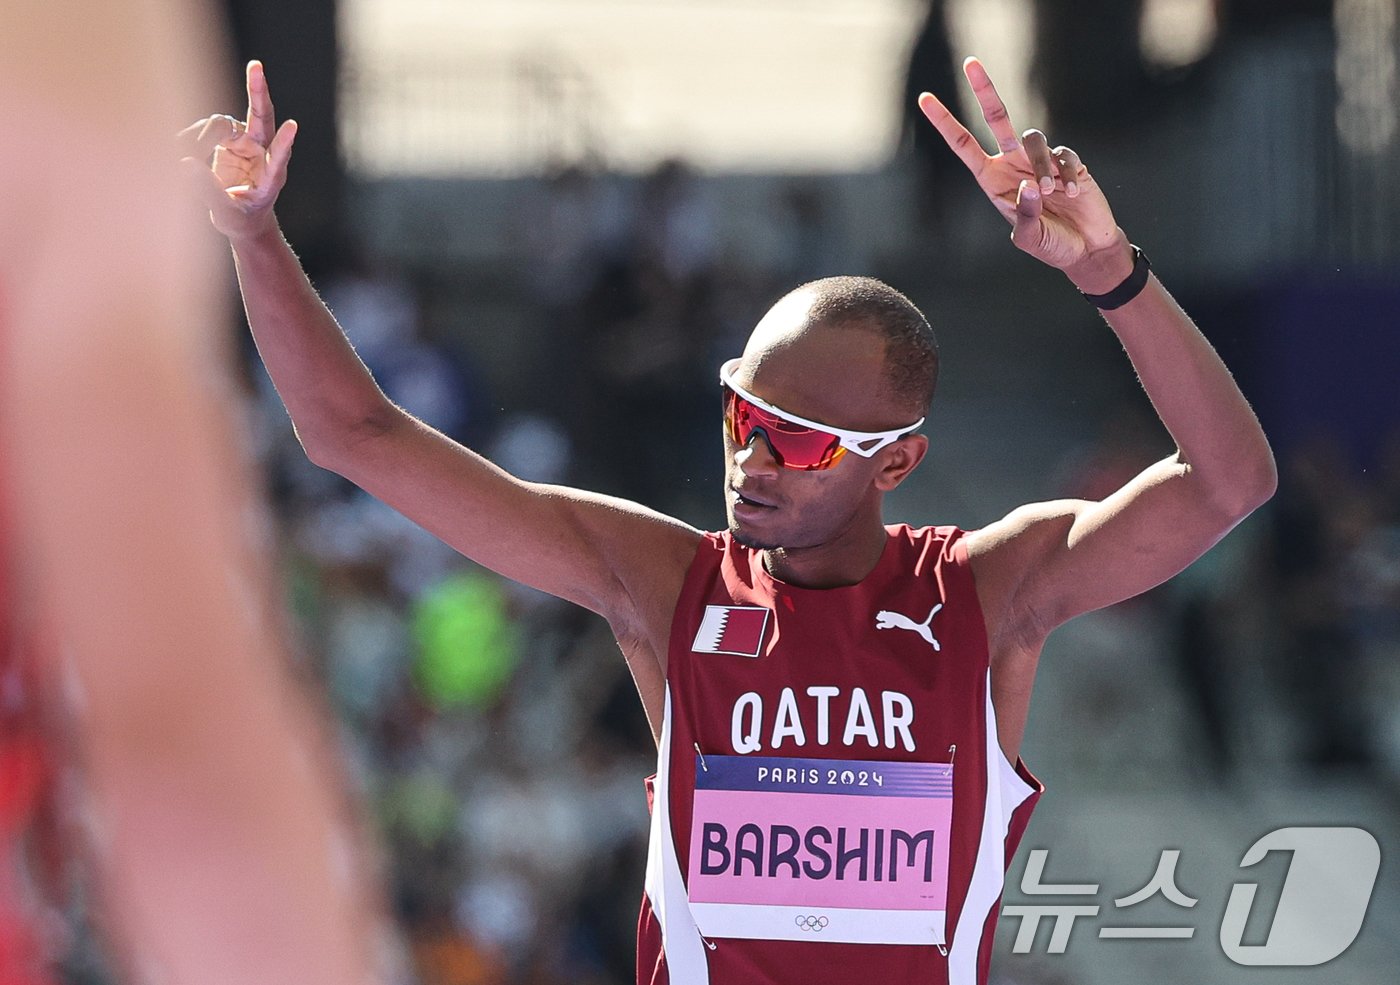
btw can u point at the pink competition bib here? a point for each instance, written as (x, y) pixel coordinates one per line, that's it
(847, 851)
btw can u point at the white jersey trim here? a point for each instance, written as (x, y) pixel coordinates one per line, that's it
(819, 925)
(1006, 791)
(680, 939)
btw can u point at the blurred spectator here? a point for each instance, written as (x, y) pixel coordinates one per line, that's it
(533, 448)
(1321, 517)
(378, 309)
(675, 223)
(574, 225)
(931, 68)
(1091, 79)
(1256, 18)
(808, 236)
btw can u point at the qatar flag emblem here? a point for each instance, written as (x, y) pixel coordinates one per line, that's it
(736, 629)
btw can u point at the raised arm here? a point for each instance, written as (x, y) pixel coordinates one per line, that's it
(614, 557)
(1047, 562)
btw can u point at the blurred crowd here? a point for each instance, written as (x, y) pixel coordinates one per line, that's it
(1281, 646)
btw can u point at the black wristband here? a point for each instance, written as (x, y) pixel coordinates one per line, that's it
(1130, 288)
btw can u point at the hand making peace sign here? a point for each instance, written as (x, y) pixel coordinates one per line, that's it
(1056, 209)
(248, 167)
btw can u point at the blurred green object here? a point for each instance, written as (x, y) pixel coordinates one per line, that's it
(420, 806)
(467, 644)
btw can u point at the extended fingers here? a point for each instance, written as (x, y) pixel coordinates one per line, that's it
(963, 143)
(280, 151)
(993, 109)
(261, 119)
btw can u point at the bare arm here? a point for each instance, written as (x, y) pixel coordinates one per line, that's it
(223, 848)
(1080, 555)
(1048, 562)
(609, 555)
(1045, 563)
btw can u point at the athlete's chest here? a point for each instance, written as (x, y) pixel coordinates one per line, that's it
(813, 756)
(893, 671)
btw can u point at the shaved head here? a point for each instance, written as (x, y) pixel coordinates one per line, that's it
(867, 305)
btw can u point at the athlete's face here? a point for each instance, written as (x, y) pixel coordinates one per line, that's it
(834, 375)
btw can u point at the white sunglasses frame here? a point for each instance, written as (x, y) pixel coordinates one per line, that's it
(849, 440)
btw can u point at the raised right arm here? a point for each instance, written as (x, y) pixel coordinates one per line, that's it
(593, 550)
(614, 557)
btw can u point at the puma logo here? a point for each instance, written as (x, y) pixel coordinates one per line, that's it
(885, 619)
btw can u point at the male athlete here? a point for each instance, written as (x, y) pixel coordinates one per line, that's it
(838, 704)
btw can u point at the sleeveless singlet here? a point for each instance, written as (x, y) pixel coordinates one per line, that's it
(831, 804)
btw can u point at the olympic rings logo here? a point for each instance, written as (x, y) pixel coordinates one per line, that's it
(812, 923)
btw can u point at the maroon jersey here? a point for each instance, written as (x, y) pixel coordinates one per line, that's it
(831, 803)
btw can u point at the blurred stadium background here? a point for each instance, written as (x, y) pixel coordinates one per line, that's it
(539, 218)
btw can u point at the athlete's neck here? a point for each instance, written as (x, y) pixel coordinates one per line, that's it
(845, 560)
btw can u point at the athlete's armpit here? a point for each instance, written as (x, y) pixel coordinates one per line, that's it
(1045, 563)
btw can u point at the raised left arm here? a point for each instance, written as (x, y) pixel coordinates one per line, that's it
(1047, 562)
(1073, 556)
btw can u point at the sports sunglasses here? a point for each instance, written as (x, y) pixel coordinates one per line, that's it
(796, 442)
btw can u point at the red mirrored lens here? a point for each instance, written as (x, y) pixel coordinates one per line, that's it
(794, 445)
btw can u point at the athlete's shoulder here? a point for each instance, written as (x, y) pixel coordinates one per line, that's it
(718, 549)
(714, 545)
(931, 541)
(928, 531)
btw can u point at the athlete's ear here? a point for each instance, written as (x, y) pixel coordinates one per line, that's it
(899, 459)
